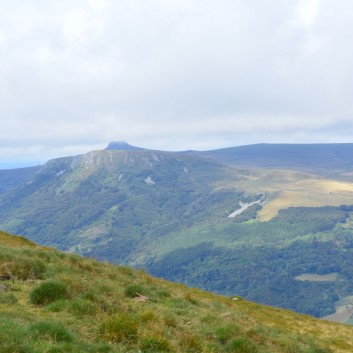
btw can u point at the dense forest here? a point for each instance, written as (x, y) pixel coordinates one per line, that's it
(266, 273)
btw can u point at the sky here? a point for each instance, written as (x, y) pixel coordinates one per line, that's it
(172, 75)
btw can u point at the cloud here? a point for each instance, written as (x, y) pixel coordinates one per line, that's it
(172, 75)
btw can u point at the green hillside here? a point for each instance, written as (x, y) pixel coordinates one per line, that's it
(55, 302)
(111, 203)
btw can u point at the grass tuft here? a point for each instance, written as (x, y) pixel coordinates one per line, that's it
(119, 328)
(134, 290)
(48, 292)
(241, 345)
(155, 345)
(50, 331)
(12, 337)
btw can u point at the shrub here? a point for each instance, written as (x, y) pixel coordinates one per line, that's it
(154, 345)
(48, 292)
(119, 328)
(51, 331)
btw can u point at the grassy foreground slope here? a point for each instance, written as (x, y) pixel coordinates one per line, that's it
(56, 302)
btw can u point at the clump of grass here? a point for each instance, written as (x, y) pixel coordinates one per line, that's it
(188, 297)
(155, 345)
(224, 334)
(24, 268)
(48, 292)
(134, 290)
(170, 321)
(50, 331)
(191, 343)
(241, 345)
(57, 306)
(12, 337)
(78, 348)
(82, 307)
(148, 316)
(8, 298)
(162, 294)
(119, 328)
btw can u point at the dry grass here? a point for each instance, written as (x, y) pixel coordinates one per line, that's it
(285, 188)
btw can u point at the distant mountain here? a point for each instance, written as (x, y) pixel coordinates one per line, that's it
(311, 157)
(56, 302)
(11, 178)
(122, 146)
(111, 203)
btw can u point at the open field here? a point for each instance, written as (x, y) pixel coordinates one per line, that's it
(285, 188)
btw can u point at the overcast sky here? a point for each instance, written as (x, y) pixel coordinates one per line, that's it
(172, 75)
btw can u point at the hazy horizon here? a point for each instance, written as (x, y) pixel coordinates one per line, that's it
(178, 75)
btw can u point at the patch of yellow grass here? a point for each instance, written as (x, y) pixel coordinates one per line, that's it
(308, 193)
(286, 188)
